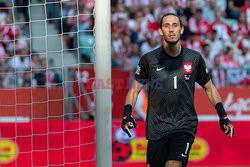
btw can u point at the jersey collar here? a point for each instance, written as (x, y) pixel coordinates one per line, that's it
(167, 55)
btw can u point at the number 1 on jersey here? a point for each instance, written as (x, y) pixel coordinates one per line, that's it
(175, 82)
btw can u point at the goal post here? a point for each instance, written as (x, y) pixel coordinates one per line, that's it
(102, 66)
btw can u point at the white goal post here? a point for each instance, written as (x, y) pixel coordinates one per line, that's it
(103, 118)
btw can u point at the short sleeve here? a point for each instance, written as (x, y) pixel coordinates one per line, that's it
(202, 75)
(141, 74)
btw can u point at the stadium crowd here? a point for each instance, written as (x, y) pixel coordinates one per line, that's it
(218, 29)
(19, 65)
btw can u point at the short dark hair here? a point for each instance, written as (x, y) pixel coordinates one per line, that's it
(214, 31)
(198, 10)
(205, 45)
(170, 14)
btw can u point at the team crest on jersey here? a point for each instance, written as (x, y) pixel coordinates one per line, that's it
(138, 70)
(187, 68)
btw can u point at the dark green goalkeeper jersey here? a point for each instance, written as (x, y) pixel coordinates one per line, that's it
(171, 83)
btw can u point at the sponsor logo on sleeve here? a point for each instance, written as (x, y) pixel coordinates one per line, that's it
(138, 70)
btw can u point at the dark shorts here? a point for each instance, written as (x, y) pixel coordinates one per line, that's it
(173, 147)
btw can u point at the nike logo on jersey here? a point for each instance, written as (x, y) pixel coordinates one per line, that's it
(159, 69)
(183, 155)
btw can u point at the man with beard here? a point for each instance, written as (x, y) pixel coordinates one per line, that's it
(169, 73)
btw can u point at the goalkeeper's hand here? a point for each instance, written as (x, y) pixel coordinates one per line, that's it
(128, 122)
(226, 126)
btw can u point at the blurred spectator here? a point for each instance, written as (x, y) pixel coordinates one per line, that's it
(223, 30)
(80, 16)
(127, 64)
(86, 43)
(233, 43)
(119, 13)
(206, 55)
(84, 18)
(228, 60)
(46, 77)
(245, 42)
(209, 11)
(3, 12)
(186, 28)
(23, 9)
(116, 43)
(147, 20)
(193, 42)
(180, 4)
(242, 26)
(190, 8)
(116, 60)
(120, 27)
(2, 52)
(201, 4)
(10, 80)
(68, 7)
(16, 46)
(126, 47)
(197, 24)
(135, 56)
(166, 6)
(222, 4)
(149, 45)
(16, 66)
(218, 73)
(20, 62)
(135, 27)
(8, 30)
(233, 8)
(244, 46)
(89, 3)
(27, 80)
(246, 9)
(216, 46)
(35, 63)
(132, 5)
(144, 3)
(244, 58)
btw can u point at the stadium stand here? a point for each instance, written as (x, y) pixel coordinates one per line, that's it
(134, 28)
(206, 23)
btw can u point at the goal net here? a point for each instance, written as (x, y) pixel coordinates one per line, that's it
(47, 106)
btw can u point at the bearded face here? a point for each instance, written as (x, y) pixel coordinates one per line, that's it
(171, 29)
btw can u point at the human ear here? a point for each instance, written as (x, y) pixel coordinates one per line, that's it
(182, 30)
(160, 32)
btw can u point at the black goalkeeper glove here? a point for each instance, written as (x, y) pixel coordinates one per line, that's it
(128, 122)
(225, 124)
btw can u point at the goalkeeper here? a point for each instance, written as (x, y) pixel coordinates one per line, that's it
(169, 73)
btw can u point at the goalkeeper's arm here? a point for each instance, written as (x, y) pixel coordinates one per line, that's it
(214, 97)
(128, 121)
